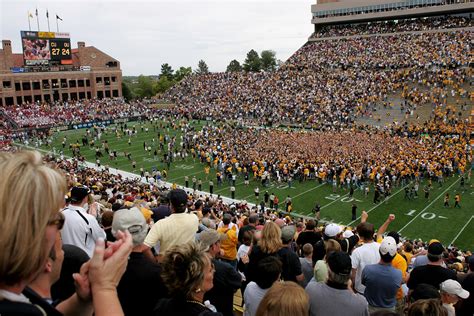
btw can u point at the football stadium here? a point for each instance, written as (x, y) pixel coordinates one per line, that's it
(342, 172)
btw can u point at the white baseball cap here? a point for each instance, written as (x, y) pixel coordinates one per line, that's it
(332, 230)
(453, 287)
(389, 246)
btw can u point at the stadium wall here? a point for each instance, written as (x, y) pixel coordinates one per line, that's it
(93, 74)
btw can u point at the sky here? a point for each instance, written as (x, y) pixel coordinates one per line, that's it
(144, 34)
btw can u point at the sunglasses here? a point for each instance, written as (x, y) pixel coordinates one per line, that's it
(58, 220)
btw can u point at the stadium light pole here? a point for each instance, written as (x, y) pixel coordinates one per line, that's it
(47, 17)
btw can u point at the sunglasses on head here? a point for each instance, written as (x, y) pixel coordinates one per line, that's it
(58, 220)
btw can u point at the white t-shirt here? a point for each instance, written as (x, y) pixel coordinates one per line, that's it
(366, 254)
(252, 296)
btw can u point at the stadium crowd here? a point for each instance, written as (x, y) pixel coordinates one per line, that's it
(37, 115)
(168, 252)
(381, 27)
(328, 83)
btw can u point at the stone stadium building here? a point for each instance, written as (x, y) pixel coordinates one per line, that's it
(92, 74)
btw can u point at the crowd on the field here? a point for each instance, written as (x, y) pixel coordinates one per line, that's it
(134, 248)
(381, 27)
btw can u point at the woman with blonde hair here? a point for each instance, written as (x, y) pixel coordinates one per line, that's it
(31, 196)
(284, 299)
(188, 273)
(270, 244)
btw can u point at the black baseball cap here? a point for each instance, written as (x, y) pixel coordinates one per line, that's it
(78, 193)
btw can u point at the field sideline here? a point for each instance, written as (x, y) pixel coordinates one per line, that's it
(415, 218)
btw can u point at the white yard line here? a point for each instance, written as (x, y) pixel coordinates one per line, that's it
(375, 206)
(431, 203)
(462, 229)
(308, 190)
(336, 200)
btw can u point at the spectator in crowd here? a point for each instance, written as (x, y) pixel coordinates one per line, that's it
(74, 258)
(226, 279)
(321, 267)
(36, 211)
(381, 280)
(177, 229)
(292, 271)
(398, 262)
(307, 264)
(141, 285)
(451, 291)
(188, 273)
(335, 296)
(331, 231)
(427, 307)
(268, 272)
(286, 298)
(39, 290)
(432, 273)
(467, 306)
(308, 235)
(253, 219)
(364, 255)
(229, 245)
(81, 228)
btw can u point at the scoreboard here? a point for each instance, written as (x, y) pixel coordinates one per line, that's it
(46, 48)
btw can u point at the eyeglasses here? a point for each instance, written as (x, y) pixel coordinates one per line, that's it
(58, 220)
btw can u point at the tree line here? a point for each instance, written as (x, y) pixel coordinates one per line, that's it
(149, 86)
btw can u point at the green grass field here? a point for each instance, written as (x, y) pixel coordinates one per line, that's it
(416, 218)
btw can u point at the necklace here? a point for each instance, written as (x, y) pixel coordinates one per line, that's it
(196, 302)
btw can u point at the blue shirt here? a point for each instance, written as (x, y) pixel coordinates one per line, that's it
(381, 284)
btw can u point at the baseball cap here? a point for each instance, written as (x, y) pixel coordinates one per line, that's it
(133, 221)
(78, 193)
(435, 248)
(209, 237)
(287, 233)
(388, 246)
(347, 233)
(332, 230)
(453, 287)
(395, 236)
(178, 198)
(340, 263)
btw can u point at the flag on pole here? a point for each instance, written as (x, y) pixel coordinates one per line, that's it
(57, 17)
(30, 15)
(36, 11)
(47, 14)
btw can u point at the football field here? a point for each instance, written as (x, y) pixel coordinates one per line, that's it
(416, 217)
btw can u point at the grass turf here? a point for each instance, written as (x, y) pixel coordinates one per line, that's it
(415, 218)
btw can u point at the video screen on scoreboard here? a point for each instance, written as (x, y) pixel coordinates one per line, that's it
(45, 48)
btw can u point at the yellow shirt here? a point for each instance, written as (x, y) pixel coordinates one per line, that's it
(229, 245)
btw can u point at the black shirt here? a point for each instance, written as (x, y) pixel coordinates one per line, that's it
(429, 274)
(226, 281)
(181, 307)
(467, 306)
(308, 237)
(291, 265)
(141, 286)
